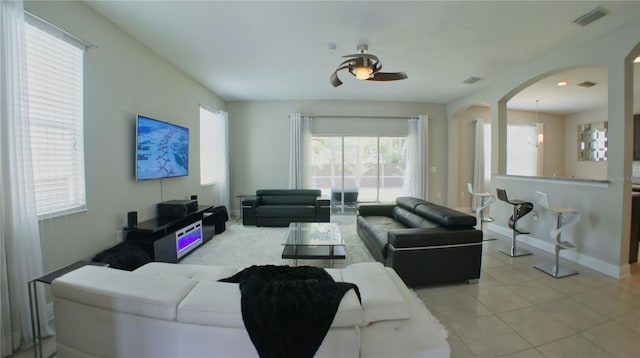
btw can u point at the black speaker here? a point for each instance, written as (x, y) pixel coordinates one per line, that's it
(194, 197)
(132, 218)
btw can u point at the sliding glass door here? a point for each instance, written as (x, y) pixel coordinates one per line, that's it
(359, 169)
(392, 180)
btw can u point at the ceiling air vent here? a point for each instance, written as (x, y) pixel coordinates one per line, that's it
(587, 84)
(591, 16)
(471, 80)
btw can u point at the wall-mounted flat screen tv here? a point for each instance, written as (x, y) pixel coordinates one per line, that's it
(162, 149)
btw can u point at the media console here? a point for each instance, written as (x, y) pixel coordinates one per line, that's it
(168, 239)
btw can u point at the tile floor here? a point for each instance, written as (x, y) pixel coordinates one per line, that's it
(516, 310)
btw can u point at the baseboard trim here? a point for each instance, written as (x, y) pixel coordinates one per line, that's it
(571, 255)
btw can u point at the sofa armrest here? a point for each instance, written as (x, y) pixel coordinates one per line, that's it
(323, 209)
(123, 291)
(429, 237)
(376, 209)
(251, 201)
(248, 208)
(322, 201)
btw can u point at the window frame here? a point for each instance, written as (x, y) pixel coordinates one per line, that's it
(58, 129)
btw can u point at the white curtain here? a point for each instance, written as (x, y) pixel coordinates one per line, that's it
(479, 182)
(20, 251)
(299, 150)
(538, 142)
(418, 158)
(222, 159)
(214, 153)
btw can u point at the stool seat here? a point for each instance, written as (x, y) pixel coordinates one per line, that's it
(565, 218)
(562, 209)
(520, 209)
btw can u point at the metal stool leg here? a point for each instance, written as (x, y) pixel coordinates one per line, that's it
(480, 216)
(513, 251)
(553, 268)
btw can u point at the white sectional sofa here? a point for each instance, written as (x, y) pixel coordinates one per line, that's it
(169, 310)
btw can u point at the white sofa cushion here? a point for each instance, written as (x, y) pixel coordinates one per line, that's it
(195, 272)
(123, 291)
(219, 304)
(380, 297)
(336, 274)
(349, 311)
(212, 303)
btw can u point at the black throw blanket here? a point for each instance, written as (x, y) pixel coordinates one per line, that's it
(287, 311)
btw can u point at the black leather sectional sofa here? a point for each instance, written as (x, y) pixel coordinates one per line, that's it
(280, 207)
(425, 243)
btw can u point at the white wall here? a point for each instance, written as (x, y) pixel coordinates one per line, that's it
(606, 250)
(259, 137)
(122, 78)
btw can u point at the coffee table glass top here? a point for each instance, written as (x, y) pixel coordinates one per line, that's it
(314, 234)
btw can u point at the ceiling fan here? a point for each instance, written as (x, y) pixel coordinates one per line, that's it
(364, 66)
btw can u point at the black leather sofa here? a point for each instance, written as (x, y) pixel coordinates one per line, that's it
(280, 207)
(425, 243)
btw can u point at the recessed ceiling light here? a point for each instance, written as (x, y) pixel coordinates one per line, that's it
(636, 60)
(563, 83)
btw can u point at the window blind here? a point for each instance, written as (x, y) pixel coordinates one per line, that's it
(54, 91)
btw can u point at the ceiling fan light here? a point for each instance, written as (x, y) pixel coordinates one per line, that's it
(362, 73)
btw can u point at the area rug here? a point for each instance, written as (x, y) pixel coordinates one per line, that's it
(244, 246)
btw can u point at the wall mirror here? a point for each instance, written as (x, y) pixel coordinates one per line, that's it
(592, 141)
(570, 110)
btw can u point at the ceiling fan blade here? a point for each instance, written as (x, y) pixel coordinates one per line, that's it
(335, 81)
(345, 64)
(388, 76)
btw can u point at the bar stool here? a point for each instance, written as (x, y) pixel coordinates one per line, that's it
(484, 200)
(565, 217)
(520, 209)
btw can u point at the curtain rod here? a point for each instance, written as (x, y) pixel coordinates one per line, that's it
(365, 117)
(209, 108)
(87, 45)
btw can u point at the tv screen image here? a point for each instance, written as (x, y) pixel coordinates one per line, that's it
(162, 149)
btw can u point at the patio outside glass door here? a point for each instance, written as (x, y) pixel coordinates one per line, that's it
(352, 170)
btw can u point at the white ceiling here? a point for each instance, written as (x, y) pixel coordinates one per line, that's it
(565, 99)
(268, 50)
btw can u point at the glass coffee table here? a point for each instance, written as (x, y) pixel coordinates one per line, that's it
(322, 241)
